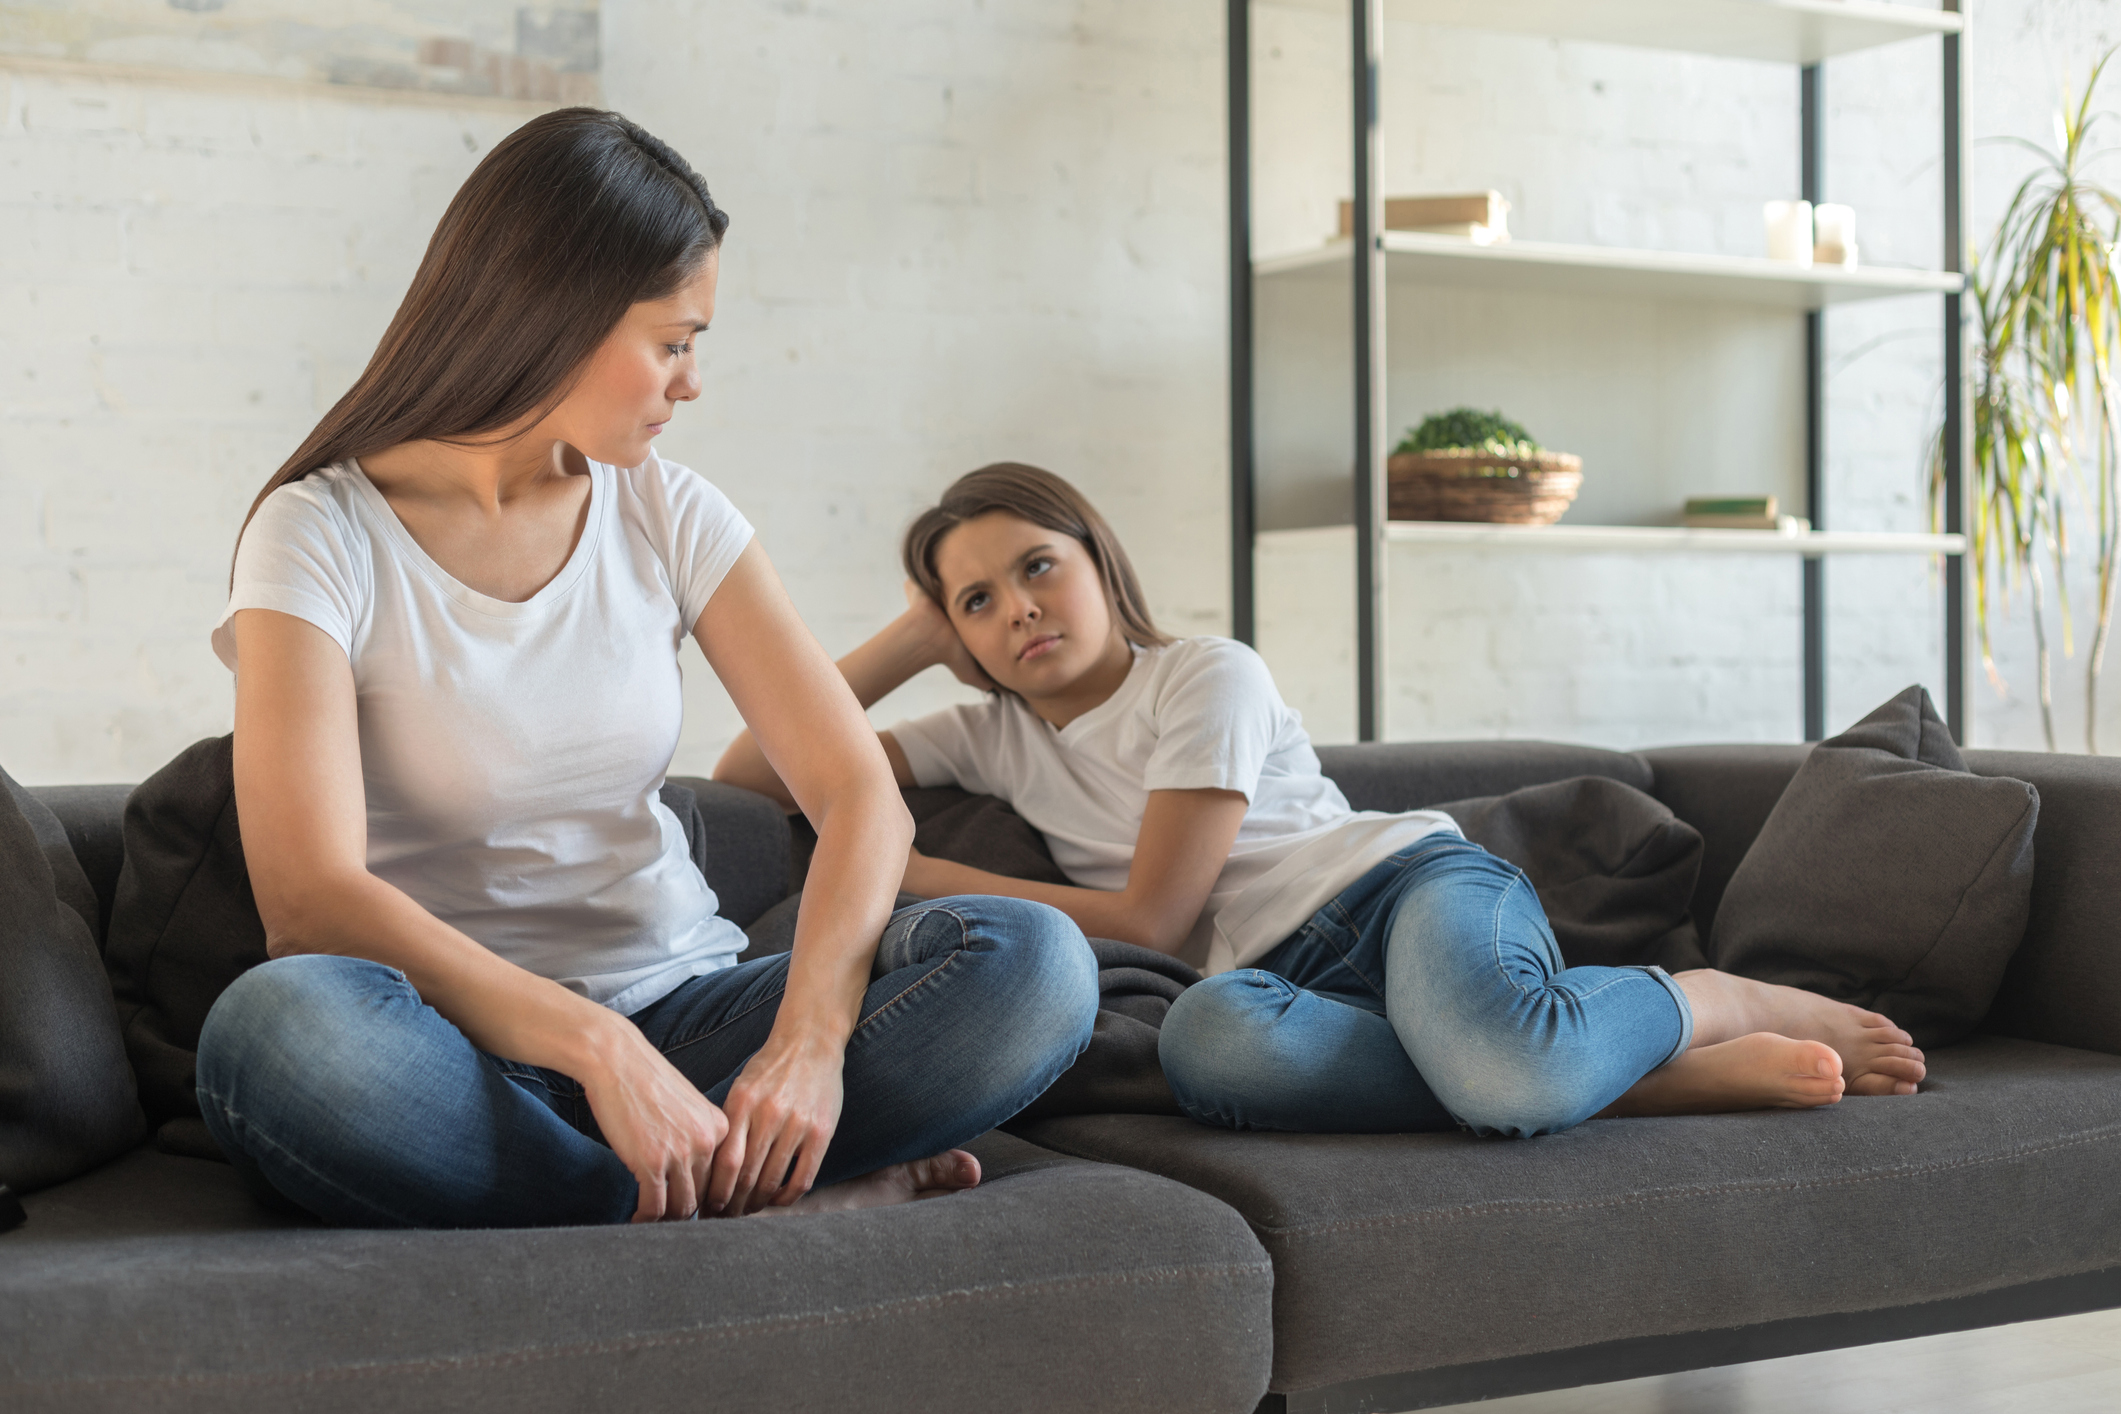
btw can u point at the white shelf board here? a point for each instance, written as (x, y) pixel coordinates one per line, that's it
(1780, 31)
(1610, 270)
(1635, 539)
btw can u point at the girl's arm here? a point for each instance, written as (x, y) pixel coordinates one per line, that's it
(1184, 842)
(910, 644)
(303, 806)
(809, 733)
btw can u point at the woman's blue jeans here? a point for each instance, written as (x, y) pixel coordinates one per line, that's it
(329, 1081)
(1429, 995)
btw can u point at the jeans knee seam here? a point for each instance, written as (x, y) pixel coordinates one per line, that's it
(964, 931)
(237, 1117)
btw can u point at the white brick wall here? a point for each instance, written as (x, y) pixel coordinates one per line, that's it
(963, 232)
(191, 272)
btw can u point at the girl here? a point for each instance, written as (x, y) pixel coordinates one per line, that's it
(499, 991)
(1368, 972)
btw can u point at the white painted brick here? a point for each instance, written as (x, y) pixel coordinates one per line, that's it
(962, 233)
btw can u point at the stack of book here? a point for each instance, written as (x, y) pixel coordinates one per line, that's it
(1740, 513)
(1481, 217)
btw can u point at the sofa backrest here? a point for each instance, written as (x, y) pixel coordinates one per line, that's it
(2063, 986)
(2064, 983)
(1726, 792)
(1410, 775)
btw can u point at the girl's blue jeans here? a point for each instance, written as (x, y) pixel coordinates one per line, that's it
(1429, 995)
(330, 1083)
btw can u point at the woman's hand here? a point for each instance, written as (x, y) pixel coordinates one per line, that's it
(782, 1112)
(935, 640)
(666, 1132)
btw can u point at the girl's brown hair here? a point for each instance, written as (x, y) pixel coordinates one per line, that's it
(1038, 496)
(570, 220)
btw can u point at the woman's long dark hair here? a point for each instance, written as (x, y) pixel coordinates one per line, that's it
(570, 220)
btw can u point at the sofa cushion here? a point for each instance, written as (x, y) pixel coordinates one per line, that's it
(1416, 775)
(1614, 868)
(1888, 875)
(1411, 1252)
(1056, 1284)
(93, 818)
(67, 1101)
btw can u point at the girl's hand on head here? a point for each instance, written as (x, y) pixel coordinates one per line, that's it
(782, 1112)
(663, 1130)
(930, 627)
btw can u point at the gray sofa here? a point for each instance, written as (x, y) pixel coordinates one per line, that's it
(1144, 1262)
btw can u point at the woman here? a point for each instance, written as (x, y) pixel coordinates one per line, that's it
(1373, 972)
(499, 992)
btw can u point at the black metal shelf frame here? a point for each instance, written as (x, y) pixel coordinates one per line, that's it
(1366, 26)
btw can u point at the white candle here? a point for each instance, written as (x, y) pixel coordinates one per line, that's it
(1789, 231)
(1834, 234)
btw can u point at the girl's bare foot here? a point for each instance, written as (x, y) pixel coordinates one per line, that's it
(933, 1177)
(1877, 1057)
(1762, 1071)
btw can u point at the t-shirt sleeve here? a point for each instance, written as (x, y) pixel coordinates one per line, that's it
(958, 746)
(1217, 717)
(706, 533)
(296, 557)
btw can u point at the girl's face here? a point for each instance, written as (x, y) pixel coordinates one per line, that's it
(640, 373)
(1027, 601)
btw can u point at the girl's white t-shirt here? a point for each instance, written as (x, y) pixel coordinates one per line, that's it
(512, 752)
(1198, 714)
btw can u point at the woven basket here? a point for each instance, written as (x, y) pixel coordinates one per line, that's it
(1464, 483)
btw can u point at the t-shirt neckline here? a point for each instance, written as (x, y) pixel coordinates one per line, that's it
(1074, 731)
(584, 548)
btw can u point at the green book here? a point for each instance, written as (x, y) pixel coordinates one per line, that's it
(1731, 506)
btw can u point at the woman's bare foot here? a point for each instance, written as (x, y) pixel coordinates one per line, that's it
(933, 1177)
(1877, 1057)
(1762, 1071)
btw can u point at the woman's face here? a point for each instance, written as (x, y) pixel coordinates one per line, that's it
(640, 373)
(1027, 601)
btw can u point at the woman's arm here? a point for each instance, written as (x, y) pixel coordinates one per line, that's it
(811, 734)
(303, 808)
(910, 644)
(1184, 842)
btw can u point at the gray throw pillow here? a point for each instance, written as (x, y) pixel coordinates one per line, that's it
(1615, 869)
(67, 1101)
(1887, 876)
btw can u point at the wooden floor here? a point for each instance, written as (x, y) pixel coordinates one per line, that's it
(2066, 1366)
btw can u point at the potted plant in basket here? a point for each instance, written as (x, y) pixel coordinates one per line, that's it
(1470, 465)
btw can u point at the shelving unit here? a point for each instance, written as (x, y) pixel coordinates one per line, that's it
(1802, 32)
(1776, 31)
(1609, 270)
(1645, 539)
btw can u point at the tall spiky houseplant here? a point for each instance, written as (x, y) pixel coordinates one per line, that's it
(2046, 408)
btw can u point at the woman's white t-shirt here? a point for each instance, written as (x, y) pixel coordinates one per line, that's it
(1199, 714)
(512, 752)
